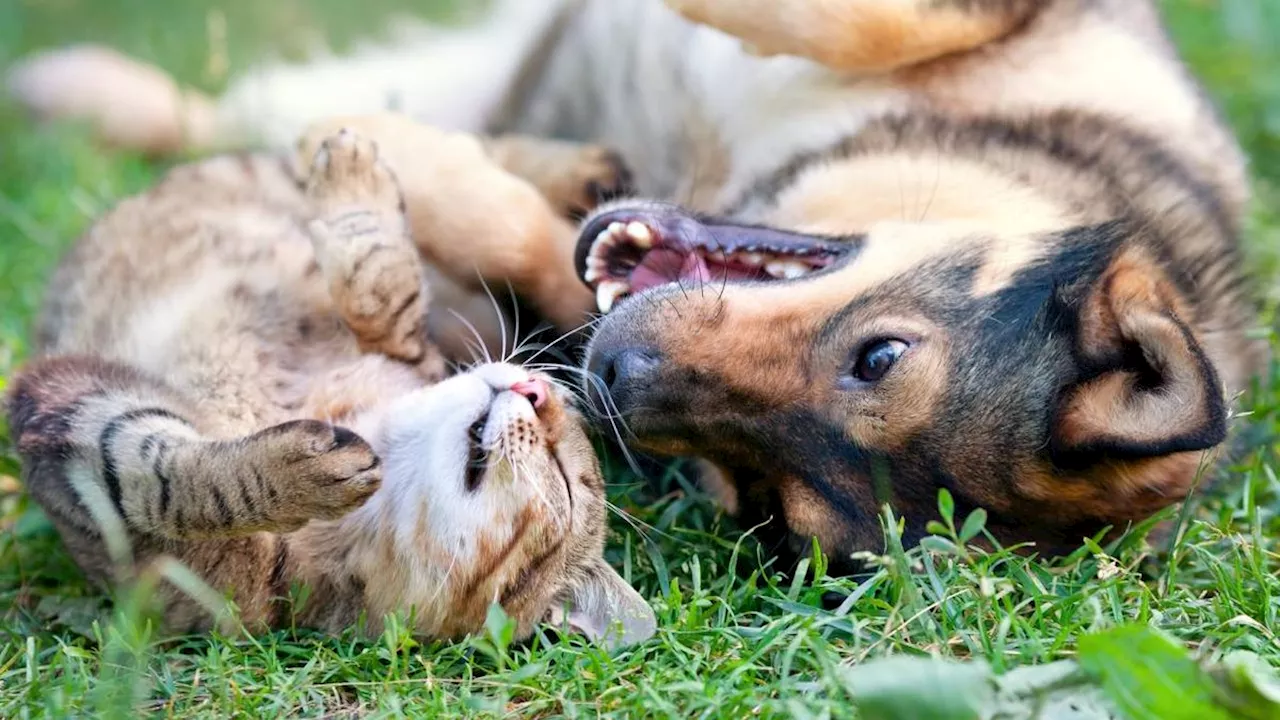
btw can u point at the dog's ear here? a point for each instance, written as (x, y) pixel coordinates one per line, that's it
(1148, 390)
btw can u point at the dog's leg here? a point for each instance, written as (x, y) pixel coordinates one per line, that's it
(861, 36)
(452, 77)
(471, 218)
(574, 178)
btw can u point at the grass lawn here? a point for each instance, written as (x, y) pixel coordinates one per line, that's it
(735, 639)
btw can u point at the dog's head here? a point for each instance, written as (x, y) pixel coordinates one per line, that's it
(827, 361)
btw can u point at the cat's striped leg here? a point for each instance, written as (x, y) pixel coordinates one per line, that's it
(102, 443)
(361, 240)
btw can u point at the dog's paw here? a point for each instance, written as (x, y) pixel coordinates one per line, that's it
(598, 176)
(573, 178)
(127, 103)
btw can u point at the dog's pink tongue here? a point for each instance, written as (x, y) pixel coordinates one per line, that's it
(663, 266)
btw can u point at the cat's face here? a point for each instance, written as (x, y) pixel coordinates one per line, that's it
(496, 494)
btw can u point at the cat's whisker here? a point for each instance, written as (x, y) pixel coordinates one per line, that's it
(590, 324)
(538, 349)
(444, 579)
(497, 309)
(515, 333)
(518, 475)
(528, 343)
(595, 380)
(479, 350)
(578, 394)
(616, 420)
(643, 528)
(542, 497)
(590, 377)
(477, 355)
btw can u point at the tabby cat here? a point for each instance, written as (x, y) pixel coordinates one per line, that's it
(232, 370)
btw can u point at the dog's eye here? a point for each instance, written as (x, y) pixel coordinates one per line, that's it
(876, 359)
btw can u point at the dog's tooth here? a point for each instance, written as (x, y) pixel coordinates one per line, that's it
(604, 296)
(751, 258)
(795, 270)
(640, 235)
(608, 293)
(597, 269)
(789, 269)
(604, 239)
(617, 229)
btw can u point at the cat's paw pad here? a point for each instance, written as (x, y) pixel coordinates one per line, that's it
(347, 175)
(320, 471)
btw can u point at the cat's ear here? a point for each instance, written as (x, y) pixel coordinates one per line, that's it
(603, 607)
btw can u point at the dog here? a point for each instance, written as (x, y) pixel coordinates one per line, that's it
(873, 249)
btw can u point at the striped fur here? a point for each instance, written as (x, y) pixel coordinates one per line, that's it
(234, 370)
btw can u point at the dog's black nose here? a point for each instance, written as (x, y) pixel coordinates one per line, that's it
(622, 371)
(627, 365)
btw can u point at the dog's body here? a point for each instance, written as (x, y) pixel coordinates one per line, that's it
(986, 245)
(698, 116)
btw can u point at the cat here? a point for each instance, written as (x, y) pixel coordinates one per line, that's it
(232, 370)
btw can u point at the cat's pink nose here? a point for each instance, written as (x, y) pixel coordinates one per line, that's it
(534, 389)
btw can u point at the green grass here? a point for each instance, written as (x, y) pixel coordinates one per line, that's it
(734, 640)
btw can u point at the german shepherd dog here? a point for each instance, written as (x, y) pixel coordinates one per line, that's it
(871, 248)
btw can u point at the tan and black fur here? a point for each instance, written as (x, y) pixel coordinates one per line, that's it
(1022, 215)
(233, 370)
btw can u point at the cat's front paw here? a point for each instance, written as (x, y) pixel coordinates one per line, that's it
(314, 470)
(347, 176)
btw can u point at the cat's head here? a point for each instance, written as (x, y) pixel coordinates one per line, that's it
(495, 494)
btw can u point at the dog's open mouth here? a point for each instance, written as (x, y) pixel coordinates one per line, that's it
(626, 252)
